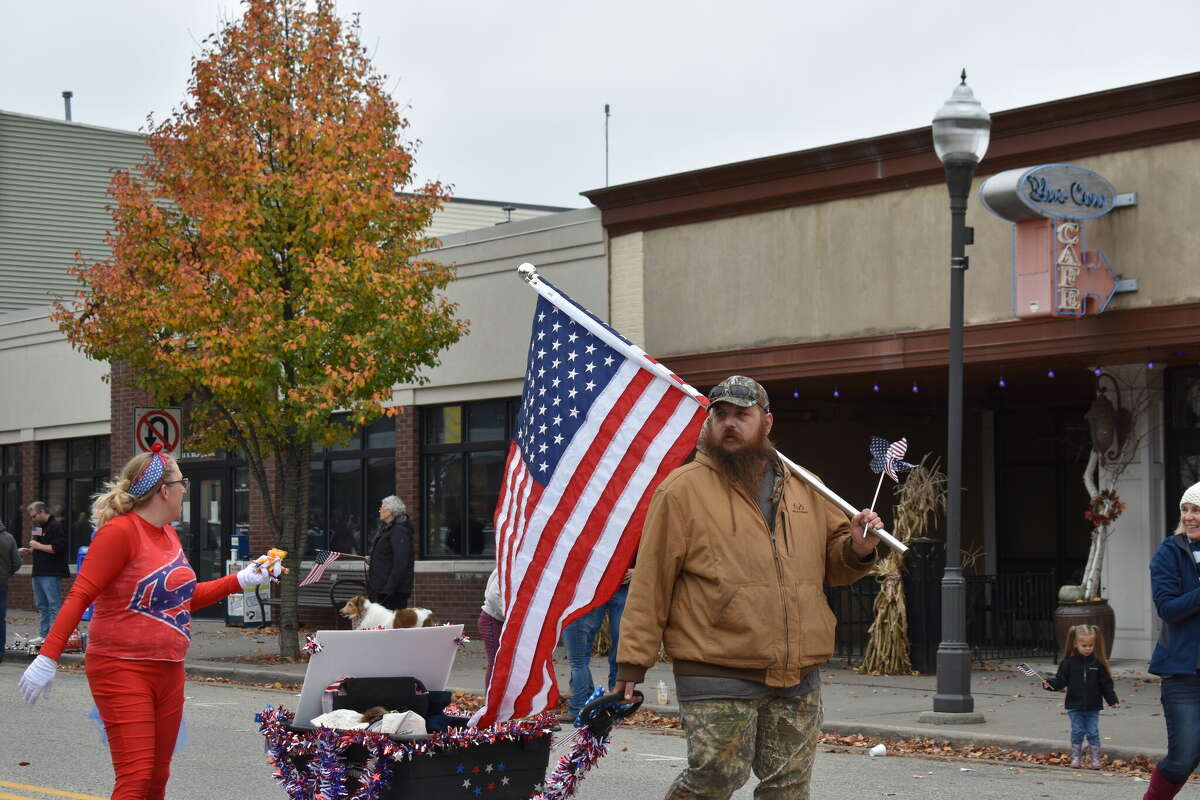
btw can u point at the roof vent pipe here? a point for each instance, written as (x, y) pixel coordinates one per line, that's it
(67, 95)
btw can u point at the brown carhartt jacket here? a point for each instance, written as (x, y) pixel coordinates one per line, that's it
(724, 595)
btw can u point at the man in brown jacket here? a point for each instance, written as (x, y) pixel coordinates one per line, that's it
(734, 556)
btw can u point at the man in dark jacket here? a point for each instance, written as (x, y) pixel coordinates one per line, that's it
(390, 574)
(48, 545)
(10, 562)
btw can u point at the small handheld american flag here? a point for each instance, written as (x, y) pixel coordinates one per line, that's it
(322, 560)
(1029, 671)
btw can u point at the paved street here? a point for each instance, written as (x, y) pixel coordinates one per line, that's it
(223, 756)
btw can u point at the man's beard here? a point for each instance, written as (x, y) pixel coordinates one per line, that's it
(745, 466)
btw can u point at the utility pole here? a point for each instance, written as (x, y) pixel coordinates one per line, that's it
(606, 116)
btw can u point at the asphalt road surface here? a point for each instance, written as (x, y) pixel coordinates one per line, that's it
(223, 757)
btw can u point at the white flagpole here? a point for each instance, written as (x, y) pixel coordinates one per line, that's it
(888, 539)
(878, 486)
(528, 273)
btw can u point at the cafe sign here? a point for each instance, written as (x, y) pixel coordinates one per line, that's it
(1051, 191)
(1054, 273)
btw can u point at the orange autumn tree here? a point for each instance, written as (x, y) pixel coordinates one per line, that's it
(265, 258)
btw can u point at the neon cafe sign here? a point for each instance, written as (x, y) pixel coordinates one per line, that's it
(1053, 273)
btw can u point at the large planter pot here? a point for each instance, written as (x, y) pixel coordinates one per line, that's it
(1091, 612)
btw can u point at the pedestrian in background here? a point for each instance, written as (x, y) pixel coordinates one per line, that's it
(145, 591)
(10, 562)
(390, 569)
(580, 639)
(1175, 583)
(48, 546)
(1085, 674)
(491, 622)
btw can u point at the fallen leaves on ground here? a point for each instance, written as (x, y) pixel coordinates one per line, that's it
(924, 747)
(291, 687)
(639, 719)
(272, 659)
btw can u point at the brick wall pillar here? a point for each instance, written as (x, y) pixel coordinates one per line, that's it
(124, 399)
(262, 538)
(408, 466)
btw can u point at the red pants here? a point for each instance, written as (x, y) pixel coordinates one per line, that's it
(141, 703)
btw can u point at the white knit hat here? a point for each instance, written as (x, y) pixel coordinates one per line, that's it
(1192, 495)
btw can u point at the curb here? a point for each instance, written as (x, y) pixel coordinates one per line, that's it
(976, 737)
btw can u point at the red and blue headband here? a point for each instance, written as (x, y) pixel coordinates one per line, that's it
(151, 474)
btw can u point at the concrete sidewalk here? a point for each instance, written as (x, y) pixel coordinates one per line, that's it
(1019, 713)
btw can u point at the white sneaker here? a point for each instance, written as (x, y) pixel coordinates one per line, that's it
(36, 640)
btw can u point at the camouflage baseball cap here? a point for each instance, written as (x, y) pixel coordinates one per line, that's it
(741, 391)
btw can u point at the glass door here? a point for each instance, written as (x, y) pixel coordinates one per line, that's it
(205, 530)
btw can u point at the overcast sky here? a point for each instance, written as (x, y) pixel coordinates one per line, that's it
(508, 98)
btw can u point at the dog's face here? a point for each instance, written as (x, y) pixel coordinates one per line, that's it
(355, 607)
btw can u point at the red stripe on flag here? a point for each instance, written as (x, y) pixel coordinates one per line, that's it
(590, 534)
(514, 617)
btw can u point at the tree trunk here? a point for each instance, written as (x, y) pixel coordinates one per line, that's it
(1091, 585)
(292, 497)
(1091, 482)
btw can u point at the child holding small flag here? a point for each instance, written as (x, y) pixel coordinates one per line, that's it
(1085, 674)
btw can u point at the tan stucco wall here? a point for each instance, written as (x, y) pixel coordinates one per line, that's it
(627, 301)
(880, 263)
(53, 391)
(568, 250)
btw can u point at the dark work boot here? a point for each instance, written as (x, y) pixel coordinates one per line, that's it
(1161, 788)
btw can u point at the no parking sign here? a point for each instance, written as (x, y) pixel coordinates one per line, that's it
(158, 425)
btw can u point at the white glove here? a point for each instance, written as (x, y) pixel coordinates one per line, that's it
(36, 680)
(256, 574)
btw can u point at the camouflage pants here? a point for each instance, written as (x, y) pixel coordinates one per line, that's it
(776, 737)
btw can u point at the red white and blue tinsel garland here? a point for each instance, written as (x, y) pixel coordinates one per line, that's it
(585, 752)
(319, 768)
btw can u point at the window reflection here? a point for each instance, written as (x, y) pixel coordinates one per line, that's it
(462, 475)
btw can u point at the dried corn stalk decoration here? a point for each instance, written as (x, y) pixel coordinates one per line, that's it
(921, 499)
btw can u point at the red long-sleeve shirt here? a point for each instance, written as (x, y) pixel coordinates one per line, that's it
(143, 589)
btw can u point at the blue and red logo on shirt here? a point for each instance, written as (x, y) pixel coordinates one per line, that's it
(166, 593)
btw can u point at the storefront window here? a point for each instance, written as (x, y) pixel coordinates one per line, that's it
(443, 425)
(461, 476)
(10, 487)
(73, 470)
(348, 481)
(1182, 436)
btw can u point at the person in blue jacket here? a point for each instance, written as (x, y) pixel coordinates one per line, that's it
(1175, 582)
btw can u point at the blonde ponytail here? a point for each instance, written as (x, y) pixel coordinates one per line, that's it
(112, 502)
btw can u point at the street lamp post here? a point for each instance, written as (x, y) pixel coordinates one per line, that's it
(961, 130)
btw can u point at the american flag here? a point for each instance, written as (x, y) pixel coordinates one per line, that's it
(322, 560)
(600, 425)
(886, 457)
(1028, 671)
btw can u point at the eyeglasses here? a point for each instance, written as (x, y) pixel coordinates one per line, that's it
(185, 481)
(722, 391)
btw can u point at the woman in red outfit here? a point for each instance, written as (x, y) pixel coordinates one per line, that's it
(144, 591)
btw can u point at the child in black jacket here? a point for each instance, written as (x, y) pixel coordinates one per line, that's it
(1085, 674)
